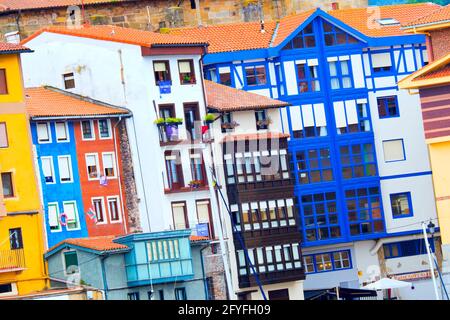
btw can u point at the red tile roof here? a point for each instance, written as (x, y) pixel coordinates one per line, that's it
(224, 98)
(14, 5)
(12, 48)
(45, 102)
(255, 136)
(443, 71)
(288, 24)
(119, 34)
(101, 243)
(437, 16)
(198, 238)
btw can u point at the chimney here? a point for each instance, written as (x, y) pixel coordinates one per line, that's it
(262, 27)
(335, 6)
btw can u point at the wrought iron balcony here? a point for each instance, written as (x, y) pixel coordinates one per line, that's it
(12, 260)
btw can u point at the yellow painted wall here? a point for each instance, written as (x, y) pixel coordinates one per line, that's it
(24, 209)
(440, 165)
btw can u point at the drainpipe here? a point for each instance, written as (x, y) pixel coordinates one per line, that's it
(105, 283)
(203, 272)
(428, 44)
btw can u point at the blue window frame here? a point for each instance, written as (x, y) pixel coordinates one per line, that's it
(255, 75)
(340, 74)
(327, 261)
(401, 205)
(308, 78)
(358, 160)
(308, 121)
(304, 39)
(406, 248)
(364, 210)
(314, 165)
(352, 117)
(335, 36)
(320, 216)
(388, 107)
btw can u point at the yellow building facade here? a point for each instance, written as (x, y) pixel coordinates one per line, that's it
(22, 267)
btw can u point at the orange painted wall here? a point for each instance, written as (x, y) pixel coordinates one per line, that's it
(92, 188)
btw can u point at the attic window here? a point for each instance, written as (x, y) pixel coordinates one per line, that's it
(388, 22)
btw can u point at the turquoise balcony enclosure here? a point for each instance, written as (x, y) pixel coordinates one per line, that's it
(158, 257)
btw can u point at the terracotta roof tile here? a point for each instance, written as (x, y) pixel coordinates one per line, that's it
(101, 243)
(437, 16)
(12, 48)
(288, 25)
(119, 34)
(49, 102)
(224, 98)
(198, 238)
(438, 73)
(13, 5)
(255, 136)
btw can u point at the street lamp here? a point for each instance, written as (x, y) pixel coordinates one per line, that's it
(430, 261)
(431, 229)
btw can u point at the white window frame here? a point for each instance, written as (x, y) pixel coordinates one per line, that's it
(77, 216)
(66, 128)
(117, 198)
(13, 291)
(52, 168)
(97, 162)
(105, 213)
(113, 156)
(70, 169)
(57, 215)
(49, 131)
(108, 122)
(91, 122)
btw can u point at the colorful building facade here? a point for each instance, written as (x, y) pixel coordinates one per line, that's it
(22, 268)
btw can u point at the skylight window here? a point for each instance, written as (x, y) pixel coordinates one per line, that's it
(388, 22)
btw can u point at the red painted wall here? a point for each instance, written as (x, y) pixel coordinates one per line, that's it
(93, 189)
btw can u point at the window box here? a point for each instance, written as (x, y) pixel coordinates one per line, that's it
(209, 118)
(229, 125)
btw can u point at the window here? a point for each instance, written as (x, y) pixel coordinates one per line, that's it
(304, 39)
(92, 166)
(62, 132)
(7, 289)
(3, 135)
(267, 214)
(340, 73)
(71, 262)
(65, 169)
(69, 80)
(180, 294)
(314, 165)
(161, 294)
(104, 127)
(381, 62)
(204, 213)
(197, 167)
(167, 111)
(174, 169)
(226, 122)
(99, 208)
(87, 128)
(358, 160)
(308, 77)
(162, 71)
(133, 296)
(180, 219)
(225, 76)
(187, 71)
(262, 122)
(192, 119)
(388, 22)
(330, 261)
(7, 184)
(351, 116)
(71, 212)
(393, 150)
(320, 216)
(255, 75)
(401, 205)
(3, 82)
(109, 164)
(387, 107)
(406, 248)
(47, 169)
(53, 217)
(308, 121)
(335, 36)
(114, 210)
(15, 238)
(364, 211)
(43, 132)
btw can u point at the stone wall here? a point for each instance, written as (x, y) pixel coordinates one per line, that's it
(214, 268)
(155, 14)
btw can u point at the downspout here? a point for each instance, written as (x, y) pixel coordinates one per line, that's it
(105, 283)
(203, 272)
(428, 44)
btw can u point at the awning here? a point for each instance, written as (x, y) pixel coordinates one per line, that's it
(344, 293)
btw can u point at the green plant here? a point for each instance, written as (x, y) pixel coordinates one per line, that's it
(159, 121)
(209, 117)
(174, 120)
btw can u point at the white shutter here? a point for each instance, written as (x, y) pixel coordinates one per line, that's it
(272, 204)
(47, 167)
(352, 113)
(254, 205)
(339, 114)
(380, 60)
(296, 118)
(285, 120)
(308, 116)
(69, 210)
(234, 208)
(91, 161)
(224, 70)
(53, 216)
(159, 66)
(42, 132)
(185, 67)
(203, 211)
(3, 136)
(64, 170)
(280, 203)
(263, 205)
(289, 202)
(319, 114)
(313, 62)
(61, 133)
(178, 216)
(108, 161)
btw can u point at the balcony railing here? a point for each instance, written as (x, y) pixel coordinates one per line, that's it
(12, 260)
